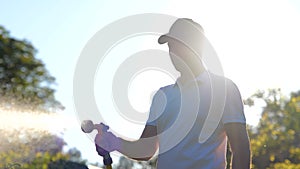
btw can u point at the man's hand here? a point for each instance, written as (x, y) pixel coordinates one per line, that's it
(107, 141)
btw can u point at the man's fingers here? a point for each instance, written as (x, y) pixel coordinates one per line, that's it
(100, 141)
(101, 127)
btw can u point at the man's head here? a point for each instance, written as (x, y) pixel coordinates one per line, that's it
(185, 40)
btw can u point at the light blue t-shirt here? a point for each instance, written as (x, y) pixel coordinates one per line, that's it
(190, 122)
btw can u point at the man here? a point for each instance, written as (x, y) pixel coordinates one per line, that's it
(190, 121)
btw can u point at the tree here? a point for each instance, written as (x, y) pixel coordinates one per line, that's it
(275, 141)
(25, 85)
(32, 148)
(149, 164)
(125, 163)
(21, 146)
(24, 80)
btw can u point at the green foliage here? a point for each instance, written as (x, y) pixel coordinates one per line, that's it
(57, 161)
(21, 146)
(24, 80)
(284, 165)
(33, 149)
(275, 141)
(125, 163)
(148, 164)
(26, 84)
(41, 160)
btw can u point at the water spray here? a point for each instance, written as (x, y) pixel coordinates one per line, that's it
(14, 119)
(87, 126)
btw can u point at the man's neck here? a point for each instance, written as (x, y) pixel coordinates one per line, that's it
(191, 75)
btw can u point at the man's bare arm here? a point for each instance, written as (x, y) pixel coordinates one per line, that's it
(142, 149)
(240, 146)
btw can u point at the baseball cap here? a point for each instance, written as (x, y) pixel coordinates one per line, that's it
(184, 30)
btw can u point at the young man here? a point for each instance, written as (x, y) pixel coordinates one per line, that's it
(190, 121)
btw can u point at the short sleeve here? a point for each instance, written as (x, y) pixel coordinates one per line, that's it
(234, 108)
(157, 107)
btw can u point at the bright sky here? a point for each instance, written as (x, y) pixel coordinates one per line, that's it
(257, 42)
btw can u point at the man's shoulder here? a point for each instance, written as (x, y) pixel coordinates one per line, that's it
(220, 79)
(166, 88)
(164, 91)
(229, 85)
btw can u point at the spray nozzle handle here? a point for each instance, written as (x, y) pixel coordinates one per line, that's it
(107, 160)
